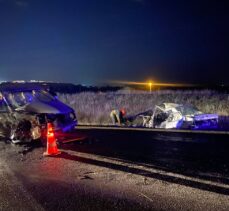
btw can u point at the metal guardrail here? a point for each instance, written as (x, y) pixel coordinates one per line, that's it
(87, 127)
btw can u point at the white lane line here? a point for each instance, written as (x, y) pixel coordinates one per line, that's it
(151, 170)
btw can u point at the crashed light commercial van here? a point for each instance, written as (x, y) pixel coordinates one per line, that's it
(24, 115)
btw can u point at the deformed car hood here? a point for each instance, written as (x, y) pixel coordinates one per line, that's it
(53, 107)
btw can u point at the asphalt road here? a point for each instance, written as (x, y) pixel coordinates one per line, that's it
(119, 170)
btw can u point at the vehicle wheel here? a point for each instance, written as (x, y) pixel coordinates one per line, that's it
(13, 137)
(21, 133)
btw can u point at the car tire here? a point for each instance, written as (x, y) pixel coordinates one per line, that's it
(18, 135)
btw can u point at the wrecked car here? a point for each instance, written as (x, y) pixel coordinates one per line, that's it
(24, 114)
(171, 115)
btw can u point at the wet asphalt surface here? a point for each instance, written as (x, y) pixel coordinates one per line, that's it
(118, 170)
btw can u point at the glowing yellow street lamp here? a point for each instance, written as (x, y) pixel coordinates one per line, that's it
(150, 86)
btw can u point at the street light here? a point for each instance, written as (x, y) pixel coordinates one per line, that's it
(150, 86)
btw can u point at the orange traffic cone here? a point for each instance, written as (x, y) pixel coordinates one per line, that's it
(51, 142)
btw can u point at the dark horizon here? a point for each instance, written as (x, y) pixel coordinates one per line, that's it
(92, 42)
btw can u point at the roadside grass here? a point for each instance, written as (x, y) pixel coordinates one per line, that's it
(94, 108)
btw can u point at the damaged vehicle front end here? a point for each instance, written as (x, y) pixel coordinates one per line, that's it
(171, 115)
(24, 115)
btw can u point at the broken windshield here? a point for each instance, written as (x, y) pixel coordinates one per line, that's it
(188, 110)
(19, 99)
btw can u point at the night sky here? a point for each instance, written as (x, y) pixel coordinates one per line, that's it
(93, 41)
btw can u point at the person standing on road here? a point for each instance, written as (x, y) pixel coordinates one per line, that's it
(117, 116)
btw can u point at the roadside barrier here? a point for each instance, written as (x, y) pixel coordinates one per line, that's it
(51, 142)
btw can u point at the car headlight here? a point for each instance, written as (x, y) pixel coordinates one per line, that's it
(72, 116)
